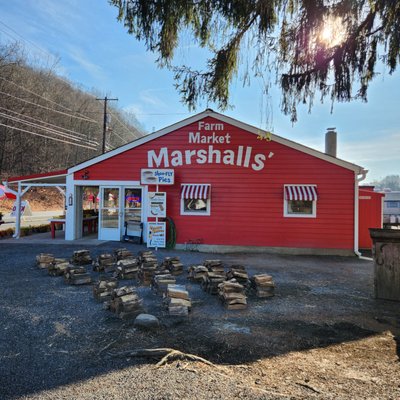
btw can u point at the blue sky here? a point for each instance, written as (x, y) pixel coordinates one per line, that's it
(95, 51)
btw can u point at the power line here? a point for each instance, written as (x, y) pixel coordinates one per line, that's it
(129, 130)
(82, 136)
(50, 101)
(47, 137)
(48, 130)
(46, 108)
(25, 40)
(134, 114)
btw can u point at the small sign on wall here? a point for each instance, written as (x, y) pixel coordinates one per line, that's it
(157, 177)
(157, 204)
(156, 234)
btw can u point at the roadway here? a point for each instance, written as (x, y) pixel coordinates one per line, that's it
(37, 218)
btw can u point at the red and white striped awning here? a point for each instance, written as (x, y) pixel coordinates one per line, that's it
(301, 192)
(195, 191)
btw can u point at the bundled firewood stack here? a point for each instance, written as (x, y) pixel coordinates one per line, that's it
(239, 273)
(161, 269)
(177, 300)
(148, 267)
(122, 253)
(77, 276)
(263, 285)
(232, 294)
(103, 288)
(215, 266)
(59, 267)
(125, 302)
(196, 272)
(161, 281)
(104, 263)
(211, 281)
(127, 268)
(81, 257)
(45, 260)
(174, 265)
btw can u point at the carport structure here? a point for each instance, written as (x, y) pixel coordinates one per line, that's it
(24, 183)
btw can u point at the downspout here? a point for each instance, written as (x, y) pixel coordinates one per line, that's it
(357, 180)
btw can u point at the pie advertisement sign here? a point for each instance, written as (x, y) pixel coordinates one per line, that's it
(157, 176)
(157, 204)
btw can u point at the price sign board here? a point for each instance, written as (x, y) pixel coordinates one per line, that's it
(156, 235)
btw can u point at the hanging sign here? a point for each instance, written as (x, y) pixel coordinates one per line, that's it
(25, 209)
(156, 234)
(157, 177)
(157, 204)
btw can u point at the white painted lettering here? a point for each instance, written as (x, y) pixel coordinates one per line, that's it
(211, 153)
(247, 156)
(162, 156)
(229, 157)
(176, 158)
(210, 127)
(194, 137)
(258, 162)
(202, 156)
(188, 156)
(239, 157)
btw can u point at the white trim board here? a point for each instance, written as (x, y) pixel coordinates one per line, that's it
(45, 177)
(228, 120)
(88, 182)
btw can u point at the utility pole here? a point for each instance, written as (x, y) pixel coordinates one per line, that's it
(105, 121)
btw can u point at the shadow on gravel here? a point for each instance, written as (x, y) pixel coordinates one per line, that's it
(53, 334)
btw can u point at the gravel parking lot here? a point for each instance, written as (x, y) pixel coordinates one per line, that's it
(58, 342)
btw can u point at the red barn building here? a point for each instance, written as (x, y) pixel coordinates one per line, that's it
(234, 189)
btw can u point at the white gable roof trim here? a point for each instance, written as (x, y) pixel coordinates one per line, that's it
(223, 118)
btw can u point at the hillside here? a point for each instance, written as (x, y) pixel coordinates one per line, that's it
(48, 123)
(40, 199)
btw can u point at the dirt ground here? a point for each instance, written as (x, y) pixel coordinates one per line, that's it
(322, 336)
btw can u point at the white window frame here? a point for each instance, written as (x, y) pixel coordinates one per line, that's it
(286, 213)
(193, 213)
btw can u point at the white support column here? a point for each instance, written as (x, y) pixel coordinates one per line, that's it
(70, 201)
(18, 212)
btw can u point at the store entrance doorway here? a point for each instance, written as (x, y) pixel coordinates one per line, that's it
(119, 205)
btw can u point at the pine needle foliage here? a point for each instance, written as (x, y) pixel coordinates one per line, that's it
(292, 39)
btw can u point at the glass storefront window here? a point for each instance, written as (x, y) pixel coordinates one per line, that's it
(195, 206)
(133, 204)
(300, 207)
(110, 208)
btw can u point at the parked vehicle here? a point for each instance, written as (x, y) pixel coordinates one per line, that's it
(391, 208)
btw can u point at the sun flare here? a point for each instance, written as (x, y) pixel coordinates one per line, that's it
(332, 33)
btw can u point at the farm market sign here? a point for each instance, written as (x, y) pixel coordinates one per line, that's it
(208, 134)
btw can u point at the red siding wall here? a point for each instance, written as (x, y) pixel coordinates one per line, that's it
(247, 205)
(370, 215)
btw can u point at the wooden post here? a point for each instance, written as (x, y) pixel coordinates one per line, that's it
(386, 252)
